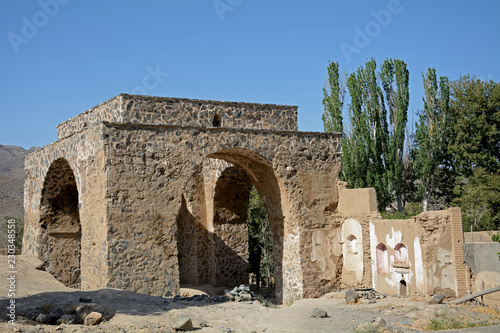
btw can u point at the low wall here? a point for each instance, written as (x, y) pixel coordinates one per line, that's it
(482, 256)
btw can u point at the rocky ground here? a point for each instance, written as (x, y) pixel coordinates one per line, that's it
(37, 292)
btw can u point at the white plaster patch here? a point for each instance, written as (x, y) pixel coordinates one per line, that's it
(396, 238)
(419, 266)
(373, 254)
(352, 240)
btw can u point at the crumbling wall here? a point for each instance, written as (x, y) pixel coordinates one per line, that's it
(429, 244)
(331, 264)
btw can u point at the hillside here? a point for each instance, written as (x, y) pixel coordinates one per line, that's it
(12, 177)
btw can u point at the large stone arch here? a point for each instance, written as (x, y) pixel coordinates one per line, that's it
(60, 228)
(261, 174)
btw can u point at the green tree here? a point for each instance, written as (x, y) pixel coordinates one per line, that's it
(475, 111)
(333, 100)
(474, 150)
(260, 241)
(395, 77)
(372, 151)
(480, 201)
(431, 133)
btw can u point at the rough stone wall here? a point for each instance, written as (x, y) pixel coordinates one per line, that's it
(133, 109)
(230, 236)
(60, 223)
(158, 163)
(84, 154)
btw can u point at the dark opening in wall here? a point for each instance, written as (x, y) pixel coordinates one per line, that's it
(217, 121)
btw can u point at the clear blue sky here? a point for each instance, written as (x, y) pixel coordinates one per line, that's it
(57, 61)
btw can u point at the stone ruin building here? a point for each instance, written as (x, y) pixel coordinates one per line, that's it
(148, 193)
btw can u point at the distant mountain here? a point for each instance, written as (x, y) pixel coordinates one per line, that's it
(12, 177)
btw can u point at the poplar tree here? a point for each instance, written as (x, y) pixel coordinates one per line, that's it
(431, 133)
(395, 81)
(372, 151)
(333, 100)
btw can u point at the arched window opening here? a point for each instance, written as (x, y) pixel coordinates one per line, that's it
(352, 244)
(400, 254)
(382, 259)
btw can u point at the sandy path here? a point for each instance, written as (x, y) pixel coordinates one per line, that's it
(37, 290)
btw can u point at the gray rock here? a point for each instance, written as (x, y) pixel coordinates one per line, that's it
(436, 299)
(351, 297)
(246, 297)
(319, 313)
(84, 309)
(44, 318)
(66, 319)
(57, 313)
(379, 323)
(92, 319)
(183, 323)
(203, 323)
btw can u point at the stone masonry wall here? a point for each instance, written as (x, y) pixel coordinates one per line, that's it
(134, 109)
(85, 154)
(150, 168)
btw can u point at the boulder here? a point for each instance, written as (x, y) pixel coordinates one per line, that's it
(44, 318)
(92, 319)
(379, 323)
(57, 313)
(351, 297)
(66, 319)
(183, 323)
(84, 309)
(436, 299)
(319, 313)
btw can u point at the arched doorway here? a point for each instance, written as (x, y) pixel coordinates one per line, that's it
(60, 239)
(250, 168)
(213, 237)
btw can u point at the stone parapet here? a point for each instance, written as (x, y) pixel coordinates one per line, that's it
(133, 109)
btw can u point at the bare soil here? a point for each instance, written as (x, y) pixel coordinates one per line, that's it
(38, 292)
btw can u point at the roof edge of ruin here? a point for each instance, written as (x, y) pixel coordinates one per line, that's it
(129, 96)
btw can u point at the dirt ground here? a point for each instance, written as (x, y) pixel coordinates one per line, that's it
(38, 292)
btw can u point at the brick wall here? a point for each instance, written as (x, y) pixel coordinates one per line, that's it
(457, 237)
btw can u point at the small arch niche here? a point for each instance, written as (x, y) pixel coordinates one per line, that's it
(403, 289)
(352, 244)
(382, 259)
(217, 120)
(400, 254)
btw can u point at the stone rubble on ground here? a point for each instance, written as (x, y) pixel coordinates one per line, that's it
(436, 299)
(183, 323)
(370, 294)
(240, 294)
